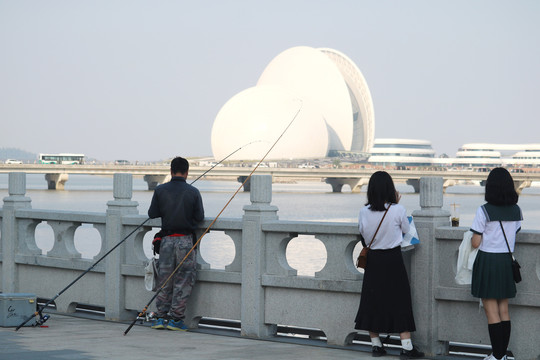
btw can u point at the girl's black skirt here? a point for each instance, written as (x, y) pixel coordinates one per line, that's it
(385, 304)
(492, 276)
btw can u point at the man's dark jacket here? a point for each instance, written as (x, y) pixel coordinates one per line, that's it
(179, 205)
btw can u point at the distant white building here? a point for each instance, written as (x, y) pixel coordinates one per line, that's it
(401, 152)
(411, 153)
(493, 155)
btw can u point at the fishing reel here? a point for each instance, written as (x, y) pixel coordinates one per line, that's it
(148, 316)
(151, 316)
(42, 319)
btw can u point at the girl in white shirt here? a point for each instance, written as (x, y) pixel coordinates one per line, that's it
(492, 279)
(385, 305)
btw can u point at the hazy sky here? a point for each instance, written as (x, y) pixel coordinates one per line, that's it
(144, 80)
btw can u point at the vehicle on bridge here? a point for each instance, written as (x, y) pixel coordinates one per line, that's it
(64, 159)
(121, 162)
(13, 161)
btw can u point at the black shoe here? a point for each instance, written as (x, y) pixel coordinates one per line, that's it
(377, 351)
(411, 354)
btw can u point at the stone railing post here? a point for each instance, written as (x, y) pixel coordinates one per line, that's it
(424, 277)
(253, 258)
(10, 232)
(114, 281)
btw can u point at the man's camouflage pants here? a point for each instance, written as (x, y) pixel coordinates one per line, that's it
(171, 301)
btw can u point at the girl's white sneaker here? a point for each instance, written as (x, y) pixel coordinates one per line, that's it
(491, 357)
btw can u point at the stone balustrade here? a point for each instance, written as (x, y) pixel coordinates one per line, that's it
(259, 288)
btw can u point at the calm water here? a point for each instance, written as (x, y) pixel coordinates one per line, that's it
(312, 201)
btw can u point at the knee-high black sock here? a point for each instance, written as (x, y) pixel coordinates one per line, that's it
(496, 337)
(506, 330)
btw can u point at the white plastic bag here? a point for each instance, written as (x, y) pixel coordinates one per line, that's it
(465, 262)
(150, 274)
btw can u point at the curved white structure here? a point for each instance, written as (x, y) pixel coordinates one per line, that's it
(258, 116)
(312, 75)
(362, 104)
(336, 113)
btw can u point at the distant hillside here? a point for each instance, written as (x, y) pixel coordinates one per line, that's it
(17, 154)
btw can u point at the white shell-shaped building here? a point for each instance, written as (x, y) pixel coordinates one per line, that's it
(256, 117)
(319, 93)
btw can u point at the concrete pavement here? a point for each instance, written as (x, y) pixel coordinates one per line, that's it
(68, 337)
(75, 338)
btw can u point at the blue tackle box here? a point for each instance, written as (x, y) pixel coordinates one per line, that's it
(16, 308)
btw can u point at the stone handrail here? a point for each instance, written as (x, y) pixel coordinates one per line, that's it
(259, 288)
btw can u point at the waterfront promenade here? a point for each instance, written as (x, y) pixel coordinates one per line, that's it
(68, 337)
(259, 290)
(72, 337)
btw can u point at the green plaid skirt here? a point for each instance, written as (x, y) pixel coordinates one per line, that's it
(492, 276)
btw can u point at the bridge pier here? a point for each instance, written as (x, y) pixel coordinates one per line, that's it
(355, 184)
(448, 183)
(520, 185)
(154, 180)
(247, 185)
(56, 181)
(415, 183)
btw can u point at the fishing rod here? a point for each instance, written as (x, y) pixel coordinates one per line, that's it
(39, 312)
(145, 309)
(42, 318)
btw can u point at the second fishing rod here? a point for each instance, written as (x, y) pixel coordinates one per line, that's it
(40, 309)
(162, 286)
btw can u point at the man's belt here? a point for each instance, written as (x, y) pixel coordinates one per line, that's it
(175, 233)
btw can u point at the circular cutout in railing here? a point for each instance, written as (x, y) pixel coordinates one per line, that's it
(44, 236)
(217, 249)
(306, 254)
(147, 242)
(87, 241)
(356, 251)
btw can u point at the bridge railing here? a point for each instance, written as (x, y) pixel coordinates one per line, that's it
(259, 288)
(56, 175)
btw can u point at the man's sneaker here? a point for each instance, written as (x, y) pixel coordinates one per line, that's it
(411, 354)
(158, 324)
(177, 325)
(377, 351)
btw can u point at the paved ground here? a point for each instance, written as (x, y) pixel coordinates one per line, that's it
(75, 338)
(71, 338)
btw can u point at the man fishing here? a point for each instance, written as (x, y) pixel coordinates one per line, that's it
(181, 210)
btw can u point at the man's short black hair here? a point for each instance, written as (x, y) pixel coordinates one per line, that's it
(179, 165)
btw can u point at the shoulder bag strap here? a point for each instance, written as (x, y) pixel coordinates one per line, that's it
(378, 227)
(505, 239)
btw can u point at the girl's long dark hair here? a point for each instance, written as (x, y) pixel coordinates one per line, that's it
(381, 190)
(500, 189)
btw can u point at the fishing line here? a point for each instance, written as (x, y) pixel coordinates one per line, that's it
(231, 154)
(39, 312)
(143, 312)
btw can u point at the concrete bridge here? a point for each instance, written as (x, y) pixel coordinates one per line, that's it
(259, 290)
(57, 175)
